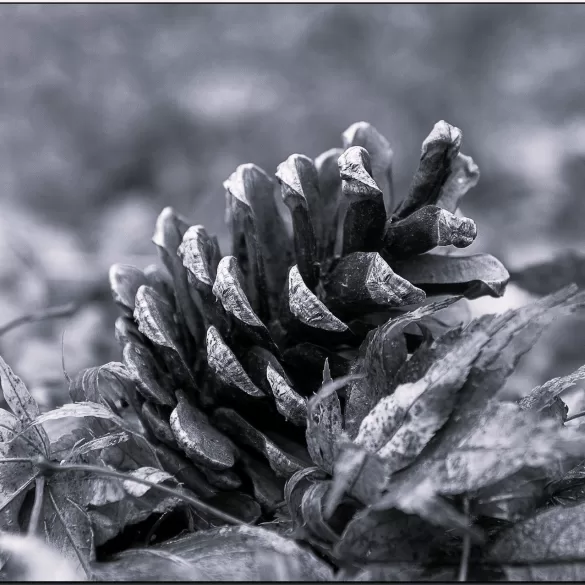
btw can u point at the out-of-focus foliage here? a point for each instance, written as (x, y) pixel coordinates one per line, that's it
(111, 112)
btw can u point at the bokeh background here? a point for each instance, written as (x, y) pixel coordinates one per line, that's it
(110, 112)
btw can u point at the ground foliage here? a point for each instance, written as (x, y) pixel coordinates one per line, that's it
(315, 406)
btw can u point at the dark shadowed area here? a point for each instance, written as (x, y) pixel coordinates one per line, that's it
(108, 113)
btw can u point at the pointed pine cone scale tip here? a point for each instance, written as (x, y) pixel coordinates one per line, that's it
(307, 308)
(443, 133)
(228, 288)
(125, 280)
(296, 174)
(168, 224)
(241, 183)
(365, 135)
(355, 169)
(196, 252)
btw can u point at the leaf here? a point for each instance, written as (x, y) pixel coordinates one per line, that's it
(300, 185)
(472, 276)
(363, 280)
(240, 552)
(425, 229)
(381, 156)
(201, 441)
(325, 423)
(366, 214)
(543, 396)
(32, 560)
(67, 526)
(511, 336)
(385, 536)
(283, 463)
(104, 442)
(312, 506)
(295, 488)
(546, 547)
(548, 276)
(381, 355)
(226, 366)
(81, 410)
(147, 564)
(22, 404)
(149, 473)
(463, 177)
(400, 425)
(439, 151)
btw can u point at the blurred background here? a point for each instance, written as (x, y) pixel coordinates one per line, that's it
(108, 113)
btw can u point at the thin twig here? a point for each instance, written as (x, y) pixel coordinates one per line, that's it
(65, 373)
(578, 415)
(464, 565)
(45, 465)
(50, 313)
(38, 505)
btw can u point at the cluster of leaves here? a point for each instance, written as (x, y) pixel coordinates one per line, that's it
(402, 465)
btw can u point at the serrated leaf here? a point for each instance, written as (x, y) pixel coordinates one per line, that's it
(325, 423)
(546, 547)
(242, 553)
(365, 217)
(400, 425)
(280, 460)
(472, 276)
(109, 440)
(545, 277)
(200, 441)
(81, 410)
(22, 404)
(149, 473)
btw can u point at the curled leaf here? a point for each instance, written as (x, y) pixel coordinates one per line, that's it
(366, 214)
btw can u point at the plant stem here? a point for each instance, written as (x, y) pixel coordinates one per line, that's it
(578, 415)
(463, 566)
(38, 505)
(45, 465)
(50, 313)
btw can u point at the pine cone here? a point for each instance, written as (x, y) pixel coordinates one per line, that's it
(225, 352)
